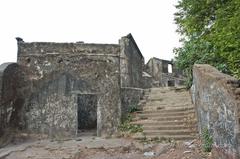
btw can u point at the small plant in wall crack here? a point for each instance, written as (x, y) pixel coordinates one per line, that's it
(207, 140)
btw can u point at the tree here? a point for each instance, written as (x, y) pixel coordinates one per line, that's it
(210, 34)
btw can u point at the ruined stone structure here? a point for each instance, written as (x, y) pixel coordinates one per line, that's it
(61, 88)
(217, 101)
(131, 63)
(161, 73)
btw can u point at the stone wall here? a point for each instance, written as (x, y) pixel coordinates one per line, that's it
(131, 62)
(217, 100)
(130, 97)
(155, 68)
(3, 67)
(3, 118)
(15, 87)
(158, 69)
(52, 108)
(62, 72)
(171, 79)
(147, 81)
(64, 87)
(131, 68)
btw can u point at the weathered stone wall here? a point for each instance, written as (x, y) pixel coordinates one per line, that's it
(131, 68)
(2, 70)
(61, 72)
(131, 62)
(2, 109)
(217, 100)
(147, 81)
(52, 108)
(15, 87)
(130, 97)
(158, 69)
(154, 68)
(171, 79)
(64, 78)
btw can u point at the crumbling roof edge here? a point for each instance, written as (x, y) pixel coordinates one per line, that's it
(51, 42)
(69, 43)
(159, 60)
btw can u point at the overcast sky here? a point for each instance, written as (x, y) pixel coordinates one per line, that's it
(92, 21)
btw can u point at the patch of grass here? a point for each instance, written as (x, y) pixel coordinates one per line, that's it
(127, 126)
(207, 140)
(158, 140)
(133, 109)
(162, 140)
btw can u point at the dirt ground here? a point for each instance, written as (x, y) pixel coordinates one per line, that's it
(181, 150)
(90, 147)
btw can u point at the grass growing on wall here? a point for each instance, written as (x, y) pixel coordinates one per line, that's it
(207, 140)
(127, 126)
(133, 109)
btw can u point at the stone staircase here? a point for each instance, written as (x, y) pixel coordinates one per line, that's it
(167, 113)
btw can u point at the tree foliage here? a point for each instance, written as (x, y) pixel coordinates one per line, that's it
(210, 32)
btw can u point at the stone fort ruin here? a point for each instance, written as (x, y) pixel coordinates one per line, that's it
(61, 88)
(164, 73)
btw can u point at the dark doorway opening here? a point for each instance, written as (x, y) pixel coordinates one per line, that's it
(171, 83)
(87, 114)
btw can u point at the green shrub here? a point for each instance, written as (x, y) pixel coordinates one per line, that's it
(133, 109)
(207, 140)
(127, 126)
(209, 32)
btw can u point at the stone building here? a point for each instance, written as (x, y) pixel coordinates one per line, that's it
(61, 88)
(164, 72)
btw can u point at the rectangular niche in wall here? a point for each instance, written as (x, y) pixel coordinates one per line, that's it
(87, 113)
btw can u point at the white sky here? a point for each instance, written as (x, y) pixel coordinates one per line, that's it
(92, 21)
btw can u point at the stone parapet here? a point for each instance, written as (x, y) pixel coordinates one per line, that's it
(217, 104)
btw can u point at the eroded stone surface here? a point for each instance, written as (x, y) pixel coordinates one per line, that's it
(83, 148)
(51, 78)
(164, 73)
(217, 107)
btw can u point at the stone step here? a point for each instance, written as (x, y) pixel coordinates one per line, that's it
(169, 132)
(168, 109)
(166, 113)
(169, 127)
(187, 104)
(171, 137)
(169, 103)
(176, 97)
(167, 118)
(147, 105)
(159, 123)
(141, 102)
(169, 96)
(165, 92)
(162, 115)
